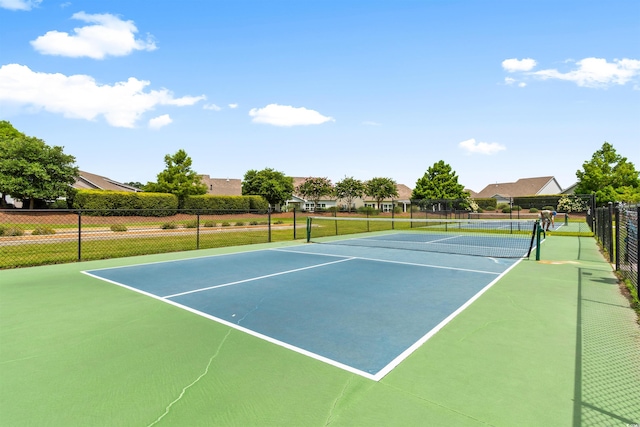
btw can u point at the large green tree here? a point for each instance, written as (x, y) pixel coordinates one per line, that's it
(178, 178)
(273, 185)
(32, 171)
(380, 189)
(315, 189)
(610, 176)
(439, 182)
(349, 189)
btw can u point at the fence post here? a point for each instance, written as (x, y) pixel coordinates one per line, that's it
(617, 237)
(79, 235)
(269, 222)
(637, 244)
(610, 232)
(294, 223)
(198, 231)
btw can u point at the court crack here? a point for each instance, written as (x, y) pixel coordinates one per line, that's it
(184, 389)
(336, 401)
(250, 311)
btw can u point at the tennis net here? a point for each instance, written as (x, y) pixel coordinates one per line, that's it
(489, 238)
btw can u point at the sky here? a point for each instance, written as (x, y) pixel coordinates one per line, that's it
(497, 89)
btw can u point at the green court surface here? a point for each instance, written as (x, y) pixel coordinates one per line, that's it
(553, 343)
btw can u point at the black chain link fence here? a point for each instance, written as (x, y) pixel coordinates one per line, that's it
(617, 232)
(37, 237)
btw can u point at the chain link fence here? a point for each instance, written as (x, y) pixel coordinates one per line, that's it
(37, 237)
(616, 230)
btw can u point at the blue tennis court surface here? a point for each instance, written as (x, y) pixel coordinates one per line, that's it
(361, 309)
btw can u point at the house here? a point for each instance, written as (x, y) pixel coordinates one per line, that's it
(504, 192)
(403, 199)
(222, 186)
(90, 181)
(300, 203)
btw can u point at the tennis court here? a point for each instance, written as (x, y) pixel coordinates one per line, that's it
(291, 334)
(360, 309)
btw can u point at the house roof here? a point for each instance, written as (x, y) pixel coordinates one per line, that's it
(522, 187)
(91, 181)
(222, 186)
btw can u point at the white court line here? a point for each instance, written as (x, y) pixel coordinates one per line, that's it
(246, 330)
(257, 278)
(402, 356)
(394, 262)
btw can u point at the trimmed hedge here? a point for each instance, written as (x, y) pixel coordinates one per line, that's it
(222, 204)
(107, 203)
(487, 204)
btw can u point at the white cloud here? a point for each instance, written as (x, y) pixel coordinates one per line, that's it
(370, 123)
(522, 84)
(512, 65)
(509, 81)
(286, 115)
(213, 107)
(233, 106)
(19, 4)
(160, 121)
(596, 72)
(80, 96)
(110, 36)
(471, 146)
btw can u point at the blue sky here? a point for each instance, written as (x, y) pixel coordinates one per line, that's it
(499, 90)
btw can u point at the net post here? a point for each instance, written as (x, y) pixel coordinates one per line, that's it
(308, 229)
(538, 233)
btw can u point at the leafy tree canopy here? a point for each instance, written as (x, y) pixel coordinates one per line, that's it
(439, 182)
(273, 185)
(31, 170)
(610, 176)
(380, 189)
(315, 189)
(349, 189)
(178, 178)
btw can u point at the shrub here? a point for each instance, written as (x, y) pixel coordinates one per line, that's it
(13, 231)
(125, 203)
(253, 223)
(368, 210)
(533, 210)
(209, 223)
(279, 222)
(239, 224)
(191, 224)
(59, 204)
(118, 227)
(225, 224)
(2, 228)
(169, 226)
(38, 231)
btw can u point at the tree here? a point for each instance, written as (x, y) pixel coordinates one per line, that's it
(268, 183)
(315, 189)
(31, 170)
(178, 178)
(610, 176)
(134, 184)
(380, 188)
(349, 189)
(439, 182)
